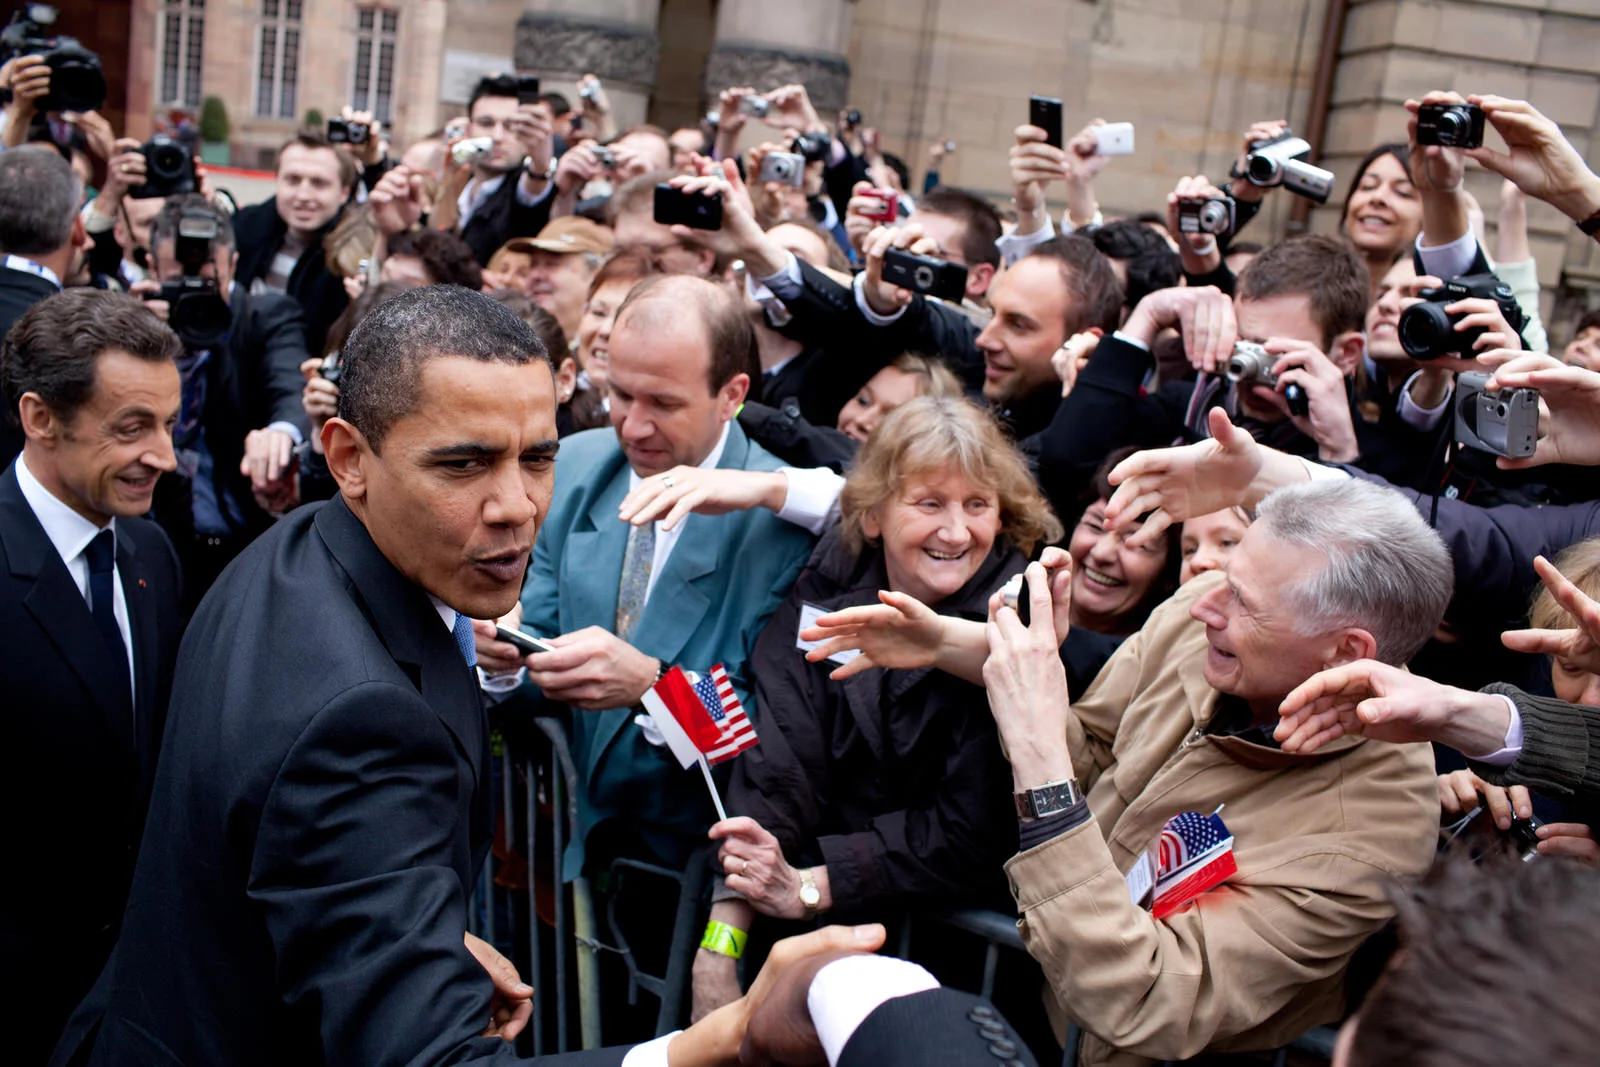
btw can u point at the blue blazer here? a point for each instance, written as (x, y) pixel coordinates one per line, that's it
(725, 576)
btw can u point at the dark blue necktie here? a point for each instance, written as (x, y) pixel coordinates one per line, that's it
(102, 558)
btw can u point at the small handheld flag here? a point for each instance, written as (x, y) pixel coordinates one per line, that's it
(1195, 853)
(703, 722)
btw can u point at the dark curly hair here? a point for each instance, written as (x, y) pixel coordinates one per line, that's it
(446, 257)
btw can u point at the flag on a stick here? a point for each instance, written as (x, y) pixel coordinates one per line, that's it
(702, 720)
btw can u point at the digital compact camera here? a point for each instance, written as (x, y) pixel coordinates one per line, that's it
(1504, 422)
(1252, 364)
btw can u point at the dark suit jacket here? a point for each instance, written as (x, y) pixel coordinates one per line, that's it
(935, 1028)
(79, 761)
(501, 217)
(19, 291)
(317, 824)
(255, 383)
(258, 231)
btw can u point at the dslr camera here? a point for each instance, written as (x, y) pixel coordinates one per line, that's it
(924, 274)
(786, 168)
(198, 314)
(1450, 125)
(342, 131)
(1281, 160)
(1426, 332)
(1251, 364)
(1213, 215)
(76, 81)
(168, 170)
(1504, 422)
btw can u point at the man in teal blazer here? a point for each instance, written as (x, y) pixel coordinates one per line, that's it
(681, 356)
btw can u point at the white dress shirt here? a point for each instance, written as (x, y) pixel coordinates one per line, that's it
(71, 533)
(666, 539)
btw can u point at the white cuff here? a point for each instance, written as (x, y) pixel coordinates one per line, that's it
(866, 312)
(1415, 415)
(1134, 341)
(1014, 246)
(652, 732)
(534, 201)
(1319, 473)
(501, 683)
(1511, 748)
(1451, 260)
(651, 1053)
(848, 990)
(1067, 226)
(812, 501)
(289, 428)
(784, 285)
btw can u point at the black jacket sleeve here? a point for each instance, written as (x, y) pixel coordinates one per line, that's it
(785, 433)
(278, 340)
(935, 1028)
(1560, 747)
(504, 216)
(106, 255)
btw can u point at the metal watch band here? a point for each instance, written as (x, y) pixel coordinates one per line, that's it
(1048, 799)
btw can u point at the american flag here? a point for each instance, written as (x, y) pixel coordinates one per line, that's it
(1187, 835)
(1195, 854)
(722, 704)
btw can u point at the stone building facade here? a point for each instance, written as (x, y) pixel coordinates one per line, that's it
(1189, 74)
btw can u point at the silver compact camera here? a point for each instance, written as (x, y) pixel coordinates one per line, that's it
(603, 156)
(1504, 422)
(755, 106)
(1213, 215)
(785, 168)
(471, 150)
(1281, 160)
(1251, 364)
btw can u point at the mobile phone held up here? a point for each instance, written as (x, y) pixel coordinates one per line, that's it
(674, 207)
(926, 275)
(1114, 139)
(527, 90)
(1045, 113)
(526, 643)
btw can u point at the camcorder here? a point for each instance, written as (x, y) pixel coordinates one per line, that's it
(196, 310)
(1450, 125)
(1504, 422)
(926, 275)
(342, 131)
(1426, 332)
(785, 168)
(76, 81)
(1281, 160)
(168, 170)
(1251, 364)
(1213, 215)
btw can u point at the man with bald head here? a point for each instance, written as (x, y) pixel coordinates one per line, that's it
(624, 602)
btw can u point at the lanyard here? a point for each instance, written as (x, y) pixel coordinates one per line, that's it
(28, 266)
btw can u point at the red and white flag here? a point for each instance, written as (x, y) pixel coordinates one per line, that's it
(703, 720)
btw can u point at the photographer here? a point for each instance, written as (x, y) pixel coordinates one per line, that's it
(280, 240)
(506, 190)
(241, 415)
(118, 222)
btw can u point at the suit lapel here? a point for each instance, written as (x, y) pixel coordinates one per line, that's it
(142, 625)
(58, 607)
(591, 564)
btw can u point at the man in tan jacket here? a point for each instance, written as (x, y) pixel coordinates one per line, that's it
(1181, 719)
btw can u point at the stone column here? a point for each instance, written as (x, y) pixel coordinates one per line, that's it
(561, 40)
(768, 43)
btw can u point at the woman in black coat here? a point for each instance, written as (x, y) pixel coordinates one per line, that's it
(889, 785)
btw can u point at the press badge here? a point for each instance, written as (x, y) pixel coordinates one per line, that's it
(809, 614)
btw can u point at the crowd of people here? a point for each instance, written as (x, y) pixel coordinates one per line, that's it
(1224, 611)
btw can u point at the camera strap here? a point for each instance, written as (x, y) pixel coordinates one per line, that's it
(28, 266)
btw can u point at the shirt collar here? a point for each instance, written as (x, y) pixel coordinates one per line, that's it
(68, 531)
(28, 266)
(447, 614)
(709, 463)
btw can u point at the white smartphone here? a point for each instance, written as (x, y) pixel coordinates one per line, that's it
(527, 644)
(1114, 139)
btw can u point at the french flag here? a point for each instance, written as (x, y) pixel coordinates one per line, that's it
(700, 720)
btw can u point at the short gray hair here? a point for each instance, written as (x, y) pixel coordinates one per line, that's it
(1387, 572)
(39, 198)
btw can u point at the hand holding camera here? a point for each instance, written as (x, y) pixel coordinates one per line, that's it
(399, 200)
(1283, 159)
(320, 395)
(1436, 167)
(1472, 313)
(1569, 424)
(869, 207)
(789, 108)
(714, 211)
(1307, 386)
(1203, 314)
(1035, 163)
(168, 170)
(1540, 160)
(882, 295)
(580, 165)
(1204, 216)
(124, 171)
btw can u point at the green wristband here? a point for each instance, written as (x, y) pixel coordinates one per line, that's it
(724, 940)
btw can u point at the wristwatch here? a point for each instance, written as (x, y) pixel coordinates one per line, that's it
(810, 896)
(1052, 798)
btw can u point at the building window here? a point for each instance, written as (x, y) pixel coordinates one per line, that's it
(278, 59)
(182, 37)
(376, 32)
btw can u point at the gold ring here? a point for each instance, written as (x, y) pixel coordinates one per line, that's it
(666, 479)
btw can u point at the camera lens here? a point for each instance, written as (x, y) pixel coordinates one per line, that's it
(1451, 126)
(923, 277)
(1261, 169)
(1425, 331)
(1238, 369)
(1213, 216)
(166, 161)
(1501, 410)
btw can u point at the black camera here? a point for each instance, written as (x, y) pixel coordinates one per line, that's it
(342, 131)
(1426, 332)
(1281, 160)
(1252, 364)
(813, 146)
(168, 170)
(1212, 215)
(924, 274)
(197, 312)
(1450, 125)
(1502, 422)
(76, 81)
(329, 370)
(676, 207)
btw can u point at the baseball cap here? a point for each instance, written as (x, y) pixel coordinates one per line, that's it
(571, 233)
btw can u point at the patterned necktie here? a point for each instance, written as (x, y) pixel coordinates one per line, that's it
(101, 555)
(636, 564)
(462, 632)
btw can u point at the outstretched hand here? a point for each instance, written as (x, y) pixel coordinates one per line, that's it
(900, 633)
(682, 491)
(1578, 647)
(1174, 484)
(1371, 699)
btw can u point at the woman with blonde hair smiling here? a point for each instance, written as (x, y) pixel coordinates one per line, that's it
(888, 786)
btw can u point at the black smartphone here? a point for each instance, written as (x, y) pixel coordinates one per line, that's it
(1045, 113)
(527, 644)
(1015, 596)
(527, 90)
(924, 274)
(676, 207)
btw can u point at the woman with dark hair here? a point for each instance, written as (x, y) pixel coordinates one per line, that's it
(1115, 586)
(577, 403)
(1382, 210)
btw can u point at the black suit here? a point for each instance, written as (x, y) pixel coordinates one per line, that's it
(19, 291)
(319, 819)
(501, 217)
(79, 761)
(936, 1028)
